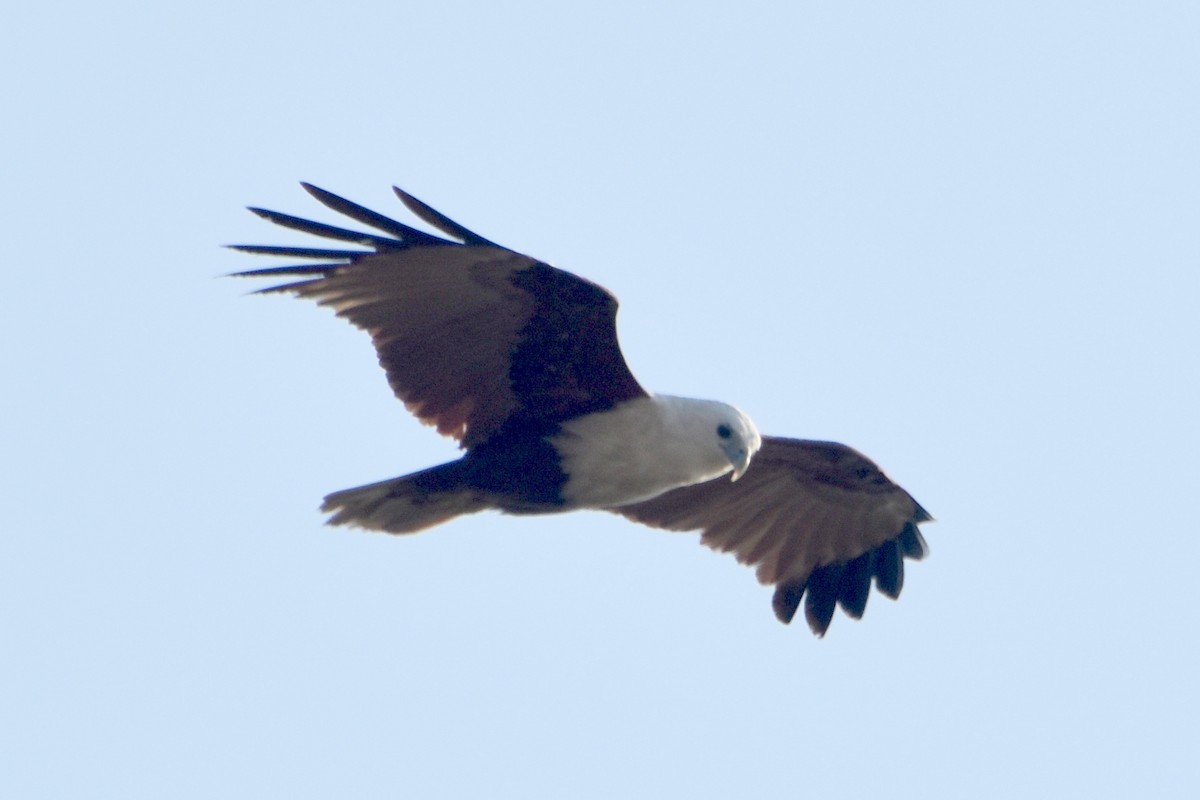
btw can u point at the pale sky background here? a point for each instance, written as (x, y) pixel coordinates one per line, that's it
(962, 238)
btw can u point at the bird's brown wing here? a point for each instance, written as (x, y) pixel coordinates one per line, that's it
(473, 337)
(818, 520)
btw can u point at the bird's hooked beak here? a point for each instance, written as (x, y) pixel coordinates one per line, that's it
(739, 456)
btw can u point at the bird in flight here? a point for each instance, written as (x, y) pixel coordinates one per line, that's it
(519, 362)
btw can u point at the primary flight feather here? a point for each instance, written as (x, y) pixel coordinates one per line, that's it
(519, 362)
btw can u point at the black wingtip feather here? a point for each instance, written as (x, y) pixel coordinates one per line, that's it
(824, 586)
(327, 231)
(297, 269)
(889, 569)
(856, 585)
(439, 220)
(912, 543)
(787, 599)
(299, 252)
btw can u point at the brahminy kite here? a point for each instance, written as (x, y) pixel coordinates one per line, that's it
(519, 362)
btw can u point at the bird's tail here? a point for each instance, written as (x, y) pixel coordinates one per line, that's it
(408, 504)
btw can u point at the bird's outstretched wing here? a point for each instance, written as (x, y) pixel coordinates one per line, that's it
(818, 519)
(473, 336)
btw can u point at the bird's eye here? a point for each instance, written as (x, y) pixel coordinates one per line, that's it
(724, 432)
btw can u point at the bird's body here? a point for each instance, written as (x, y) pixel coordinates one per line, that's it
(519, 361)
(634, 451)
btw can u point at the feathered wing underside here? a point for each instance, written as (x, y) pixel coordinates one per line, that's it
(818, 520)
(472, 336)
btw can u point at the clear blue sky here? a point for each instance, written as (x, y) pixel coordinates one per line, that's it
(959, 237)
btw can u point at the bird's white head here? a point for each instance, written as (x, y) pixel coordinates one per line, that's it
(738, 439)
(650, 445)
(720, 429)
